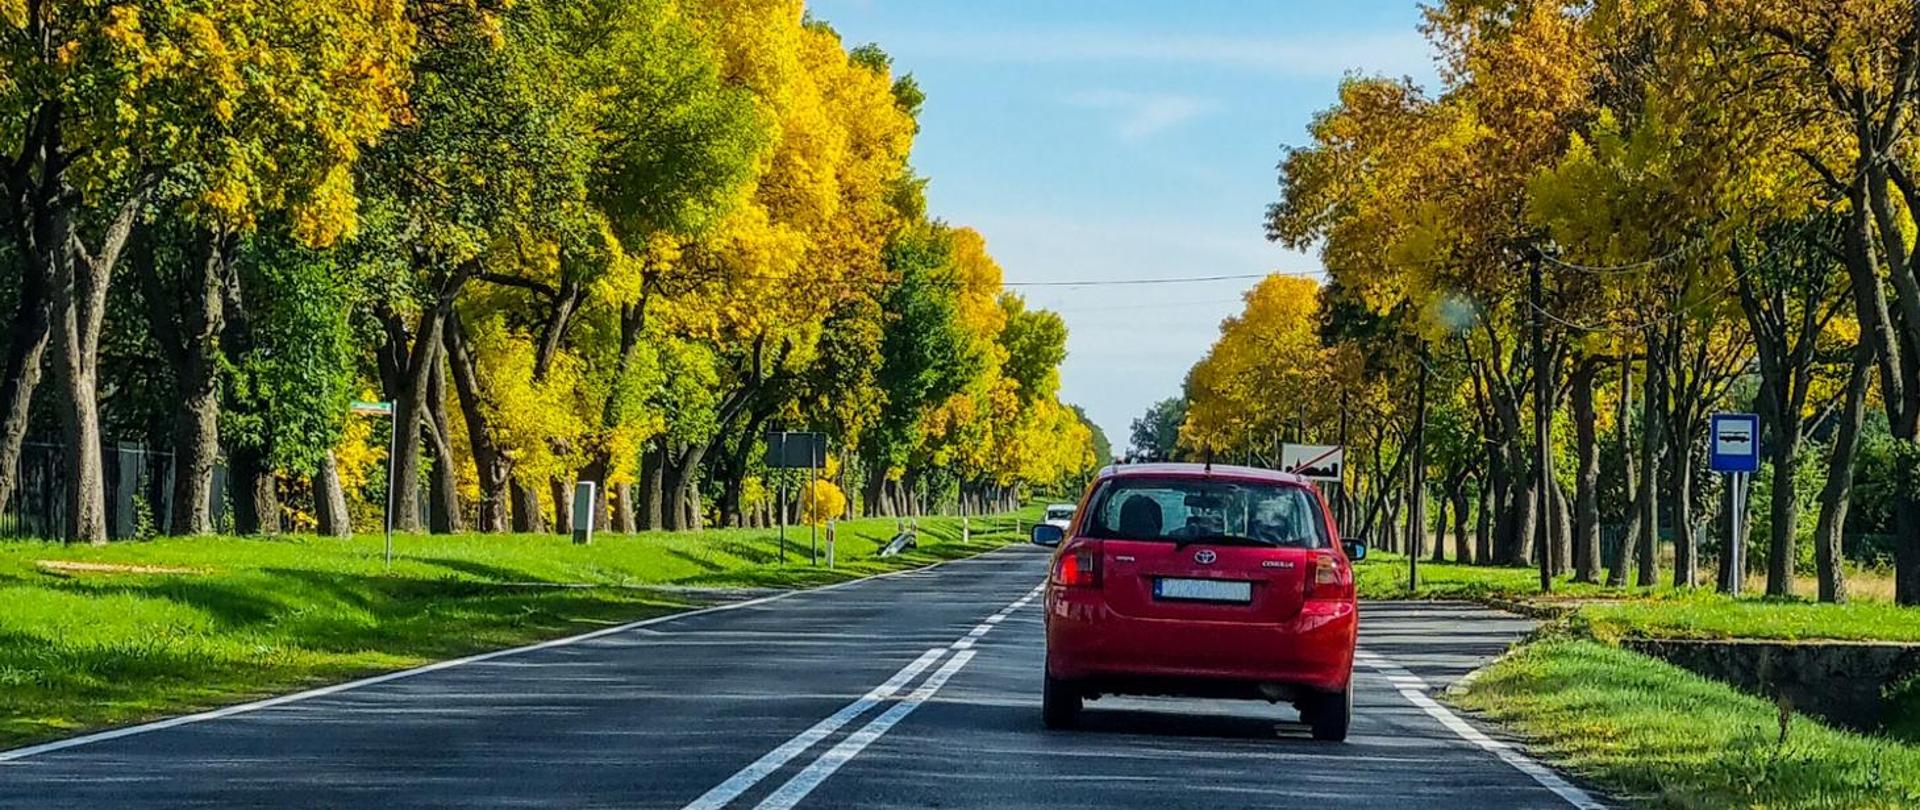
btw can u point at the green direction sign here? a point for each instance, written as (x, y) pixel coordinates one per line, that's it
(372, 408)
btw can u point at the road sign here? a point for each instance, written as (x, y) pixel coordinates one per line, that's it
(1736, 443)
(1317, 462)
(795, 450)
(371, 408)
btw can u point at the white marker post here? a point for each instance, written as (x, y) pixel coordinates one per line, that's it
(1735, 451)
(585, 510)
(393, 445)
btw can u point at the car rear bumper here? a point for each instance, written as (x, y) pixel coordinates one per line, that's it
(1088, 641)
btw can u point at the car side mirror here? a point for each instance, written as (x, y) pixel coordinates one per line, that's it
(1356, 550)
(1046, 534)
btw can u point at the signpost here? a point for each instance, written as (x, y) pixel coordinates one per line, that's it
(393, 436)
(794, 450)
(1735, 451)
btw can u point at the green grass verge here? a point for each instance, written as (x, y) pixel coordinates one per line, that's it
(102, 636)
(1662, 612)
(1663, 737)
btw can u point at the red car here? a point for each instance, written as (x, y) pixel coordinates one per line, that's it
(1202, 581)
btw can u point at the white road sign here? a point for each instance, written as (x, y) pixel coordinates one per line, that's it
(1319, 462)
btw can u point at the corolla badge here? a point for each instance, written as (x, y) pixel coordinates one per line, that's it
(1205, 556)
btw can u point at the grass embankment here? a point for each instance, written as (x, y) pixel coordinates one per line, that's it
(1660, 611)
(1661, 736)
(100, 636)
(1652, 732)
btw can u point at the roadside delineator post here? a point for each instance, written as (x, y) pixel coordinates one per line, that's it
(583, 512)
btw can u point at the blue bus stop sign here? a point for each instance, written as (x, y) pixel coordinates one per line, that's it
(1735, 443)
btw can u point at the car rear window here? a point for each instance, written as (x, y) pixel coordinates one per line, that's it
(1059, 514)
(1176, 509)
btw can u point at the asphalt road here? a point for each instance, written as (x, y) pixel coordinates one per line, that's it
(914, 690)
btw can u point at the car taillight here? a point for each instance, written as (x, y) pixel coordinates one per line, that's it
(1326, 580)
(1079, 567)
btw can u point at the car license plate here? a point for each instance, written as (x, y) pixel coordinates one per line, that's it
(1203, 590)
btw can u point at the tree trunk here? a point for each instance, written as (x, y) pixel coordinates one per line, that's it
(1784, 513)
(528, 516)
(256, 499)
(79, 303)
(27, 338)
(414, 357)
(1560, 530)
(330, 499)
(1586, 479)
(1441, 523)
(681, 500)
(562, 505)
(623, 521)
(1892, 352)
(443, 516)
(1622, 551)
(1680, 508)
(1462, 544)
(493, 470)
(652, 485)
(1523, 506)
(1838, 492)
(1647, 544)
(192, 349)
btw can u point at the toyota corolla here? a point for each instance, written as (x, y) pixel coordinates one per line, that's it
(1201, 581)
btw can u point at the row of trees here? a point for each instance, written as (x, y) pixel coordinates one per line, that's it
(1698, 206)
(599, 240)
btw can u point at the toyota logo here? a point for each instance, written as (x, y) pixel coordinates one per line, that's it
(1205, 556)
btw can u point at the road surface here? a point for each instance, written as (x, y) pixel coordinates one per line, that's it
(914, 690)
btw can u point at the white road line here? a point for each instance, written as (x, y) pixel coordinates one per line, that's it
(1413, 689)
(804, 782)
(765, 766)
(247, 708)
(760, 769)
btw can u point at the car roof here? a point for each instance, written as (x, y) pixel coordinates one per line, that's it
(1063, 506)
(1190, 470)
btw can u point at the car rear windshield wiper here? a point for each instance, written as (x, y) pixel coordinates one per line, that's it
(1223, 539)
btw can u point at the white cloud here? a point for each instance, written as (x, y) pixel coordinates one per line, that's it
(1316, 55)
(1144, 115)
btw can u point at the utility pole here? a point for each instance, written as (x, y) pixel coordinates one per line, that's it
(1417, 484)
(1343, 506)
(1542, 428)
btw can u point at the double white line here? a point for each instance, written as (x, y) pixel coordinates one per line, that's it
(816, 772)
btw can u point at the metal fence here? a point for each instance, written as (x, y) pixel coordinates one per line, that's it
(139, 492)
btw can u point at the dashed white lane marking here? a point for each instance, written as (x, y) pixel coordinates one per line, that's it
(803, 783)
(1414, 689)
(816, 772)
(765, 766)
(246, 708)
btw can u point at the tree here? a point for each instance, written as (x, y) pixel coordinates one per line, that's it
(1155, 435)
(223, 109)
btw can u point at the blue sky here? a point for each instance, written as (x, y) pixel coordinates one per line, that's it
(1126, 139)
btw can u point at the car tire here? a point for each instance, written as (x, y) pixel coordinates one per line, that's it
(1060, 703)
(1330, 714)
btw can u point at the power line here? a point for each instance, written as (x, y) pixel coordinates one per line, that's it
(1123, 282)
(1073, 310)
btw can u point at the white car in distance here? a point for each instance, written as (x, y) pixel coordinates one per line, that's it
(1060, 514)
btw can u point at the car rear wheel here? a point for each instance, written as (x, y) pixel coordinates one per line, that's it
(1330, 714)
(1060, 703)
